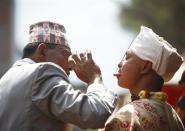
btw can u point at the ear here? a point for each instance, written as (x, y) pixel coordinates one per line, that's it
(42, 50)
(147, 67)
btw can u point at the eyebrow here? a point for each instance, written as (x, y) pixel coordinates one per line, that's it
(126, 53)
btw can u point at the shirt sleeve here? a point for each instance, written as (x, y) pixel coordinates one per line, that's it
(55, 96)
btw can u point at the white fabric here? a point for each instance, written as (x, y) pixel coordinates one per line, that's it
(149, 46)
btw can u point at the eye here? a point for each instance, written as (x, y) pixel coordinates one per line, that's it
(126, 56)
(120, 65)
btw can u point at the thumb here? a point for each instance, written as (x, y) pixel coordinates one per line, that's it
(71, 62)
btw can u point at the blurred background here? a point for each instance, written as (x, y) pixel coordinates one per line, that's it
(106, 27)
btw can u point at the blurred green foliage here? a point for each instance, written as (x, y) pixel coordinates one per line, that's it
(165, 17)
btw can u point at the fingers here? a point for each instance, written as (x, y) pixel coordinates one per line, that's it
(89, 55)
(83, 57)
(71, 62)
(80, 59)
(76, 58)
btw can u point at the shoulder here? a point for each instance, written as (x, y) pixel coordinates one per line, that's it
(50, 69)
(124, 119)
(49, 65)
(128, 117)
(30, 65)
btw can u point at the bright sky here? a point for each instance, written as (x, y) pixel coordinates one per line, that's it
(90, 24)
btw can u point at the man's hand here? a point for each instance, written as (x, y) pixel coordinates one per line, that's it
(85, 67)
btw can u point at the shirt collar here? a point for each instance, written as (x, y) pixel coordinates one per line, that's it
(24, 61)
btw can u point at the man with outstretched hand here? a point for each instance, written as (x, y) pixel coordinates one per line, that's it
(36, 95)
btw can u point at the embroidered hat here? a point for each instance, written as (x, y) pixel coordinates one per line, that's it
(48, 32)
(149, 46)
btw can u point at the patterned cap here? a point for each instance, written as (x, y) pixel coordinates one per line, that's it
(48, 32)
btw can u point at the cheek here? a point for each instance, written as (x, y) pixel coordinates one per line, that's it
(63, 62)
(55, 58)
(129, 76)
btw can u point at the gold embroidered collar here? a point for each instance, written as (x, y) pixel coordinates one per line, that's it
(158, 96)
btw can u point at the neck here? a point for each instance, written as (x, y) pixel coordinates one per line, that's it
(152, 83)
(36, 58)
(147, 87)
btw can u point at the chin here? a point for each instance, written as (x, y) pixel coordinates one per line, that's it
(120, 84)
(123, 85)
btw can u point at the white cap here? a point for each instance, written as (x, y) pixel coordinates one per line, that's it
(149, 46)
